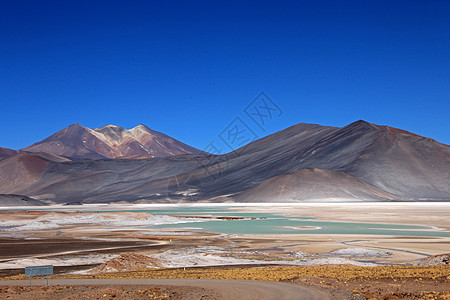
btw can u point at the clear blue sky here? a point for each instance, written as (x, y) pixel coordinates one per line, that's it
(189, 68)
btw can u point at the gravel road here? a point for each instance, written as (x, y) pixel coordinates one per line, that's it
(227, 289)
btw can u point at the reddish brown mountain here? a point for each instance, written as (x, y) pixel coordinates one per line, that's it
(20, 171)
(79, 142)
(4, 152)
(306, 162)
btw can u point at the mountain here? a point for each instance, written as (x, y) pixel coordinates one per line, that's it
(305, 162)
(398, 162)
(18, 200)
(313, 185)
(20, 171)
(79, 142)
(5, 152)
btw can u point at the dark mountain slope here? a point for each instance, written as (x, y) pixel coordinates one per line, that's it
(5, 152)
(18, 200)
(359, 161)
(314, 185)
(405, 164)
(20, 171)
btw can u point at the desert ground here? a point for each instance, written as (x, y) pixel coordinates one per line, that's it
(119, 241)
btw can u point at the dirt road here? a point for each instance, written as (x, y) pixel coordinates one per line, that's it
(227, 289)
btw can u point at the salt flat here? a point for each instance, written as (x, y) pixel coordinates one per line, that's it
(176, 235)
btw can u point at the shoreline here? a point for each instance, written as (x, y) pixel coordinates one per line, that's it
(445, 203)
(259, 247)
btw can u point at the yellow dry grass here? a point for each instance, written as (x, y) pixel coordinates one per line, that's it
(279, 273)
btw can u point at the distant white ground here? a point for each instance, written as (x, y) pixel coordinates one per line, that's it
(51, 222)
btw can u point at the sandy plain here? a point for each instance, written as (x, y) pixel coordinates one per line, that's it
(76, 243)
(405, 249)
(63, 235)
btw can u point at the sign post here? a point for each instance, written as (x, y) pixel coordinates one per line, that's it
(39, 270)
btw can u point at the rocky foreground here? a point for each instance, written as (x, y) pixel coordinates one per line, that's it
(338, 282)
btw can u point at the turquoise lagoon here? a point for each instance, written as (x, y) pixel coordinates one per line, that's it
(268, 223)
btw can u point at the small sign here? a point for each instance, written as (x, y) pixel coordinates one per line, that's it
(39, 270)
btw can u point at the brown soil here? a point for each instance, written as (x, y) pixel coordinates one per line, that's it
(385, 288)
(105, 292)
(127, 262)
(56, 242)
(23, 248)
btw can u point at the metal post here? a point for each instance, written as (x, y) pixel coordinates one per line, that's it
(30, 280)
(47, 279)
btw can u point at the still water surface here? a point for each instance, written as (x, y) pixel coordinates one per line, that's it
(281, 224)
(268, 223)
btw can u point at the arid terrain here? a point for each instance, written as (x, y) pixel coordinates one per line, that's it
(103, 242)
(360, 162)
(320, 282)
(224, 150)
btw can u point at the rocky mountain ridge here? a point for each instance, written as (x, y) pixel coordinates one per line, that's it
(110, 141)
(305, 162)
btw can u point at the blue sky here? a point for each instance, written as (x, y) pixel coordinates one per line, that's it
(190, 68)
